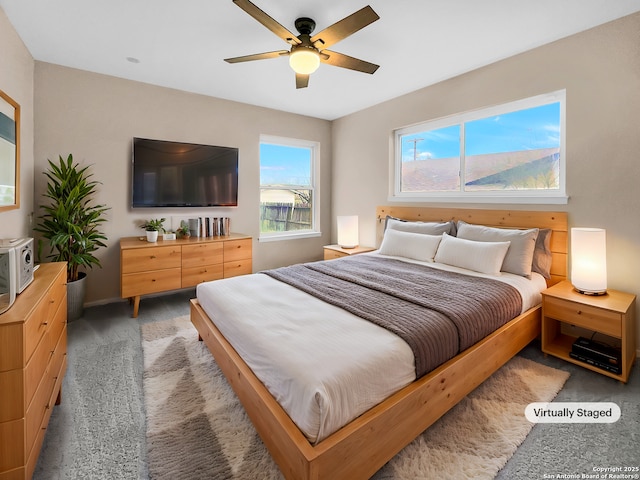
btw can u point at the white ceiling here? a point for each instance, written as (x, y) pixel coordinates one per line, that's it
(181, 44)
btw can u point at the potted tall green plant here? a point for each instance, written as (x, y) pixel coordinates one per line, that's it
(71, 223)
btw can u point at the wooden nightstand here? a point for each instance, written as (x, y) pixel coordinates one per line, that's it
(611, 315)
(336, 251)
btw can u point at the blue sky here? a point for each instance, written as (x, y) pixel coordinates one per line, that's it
(528, 129)
(283, 164)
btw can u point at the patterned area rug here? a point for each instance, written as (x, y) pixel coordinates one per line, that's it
(197, 429)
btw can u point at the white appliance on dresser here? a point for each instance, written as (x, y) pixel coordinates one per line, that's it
(16, 269)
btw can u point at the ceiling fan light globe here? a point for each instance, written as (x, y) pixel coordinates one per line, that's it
(304, 61)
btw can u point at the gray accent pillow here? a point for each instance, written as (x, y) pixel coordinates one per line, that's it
(519, 257)
(430, 228)
(542, 254)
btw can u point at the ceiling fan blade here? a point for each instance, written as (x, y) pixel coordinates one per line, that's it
(345, 61)
(267, 21)
(302, 81)
(257, 56)
(345, 27)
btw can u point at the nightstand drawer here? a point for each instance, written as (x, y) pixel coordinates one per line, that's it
(332, 254)
(585, 316)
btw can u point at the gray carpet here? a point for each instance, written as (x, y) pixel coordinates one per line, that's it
(82, 443)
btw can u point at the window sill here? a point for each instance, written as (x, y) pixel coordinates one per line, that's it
(480, 199)
(287, 236)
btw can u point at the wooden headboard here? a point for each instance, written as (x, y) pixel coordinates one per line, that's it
(556, 221)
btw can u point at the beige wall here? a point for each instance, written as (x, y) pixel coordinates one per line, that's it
(16, 80)
(94, 117)
(600, 70)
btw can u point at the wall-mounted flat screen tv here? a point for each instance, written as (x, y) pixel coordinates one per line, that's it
(176, 174)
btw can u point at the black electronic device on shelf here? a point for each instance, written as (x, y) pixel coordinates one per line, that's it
(597, 354)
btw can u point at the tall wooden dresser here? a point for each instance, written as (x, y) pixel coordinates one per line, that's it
(33, 361)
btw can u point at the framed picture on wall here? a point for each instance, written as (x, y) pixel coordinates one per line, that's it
(9, 153)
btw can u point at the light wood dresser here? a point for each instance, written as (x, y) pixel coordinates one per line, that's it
(33, 361)
(165, 265)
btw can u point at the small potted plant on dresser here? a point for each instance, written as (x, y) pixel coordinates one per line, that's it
(153, 227)
(183, 231)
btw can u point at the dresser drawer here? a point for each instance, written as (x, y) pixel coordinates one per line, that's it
(152, 258)
(585, 316)
(135, 284)
(38, 408)
(43, 354)
(39, 322)
(237, 250)
(205, 273)
(32, 458)
(44, 399)
(12, 454)
(36, 368)
(12, 403)
(202, 254)
(239, 267)
(35, 328)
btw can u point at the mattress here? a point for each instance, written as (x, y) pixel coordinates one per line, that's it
(324, 365)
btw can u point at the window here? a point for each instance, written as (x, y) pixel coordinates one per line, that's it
(288, 188)
(511, 153)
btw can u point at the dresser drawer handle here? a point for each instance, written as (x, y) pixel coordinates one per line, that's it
(579, 312)
(152, 256)
(45, 323)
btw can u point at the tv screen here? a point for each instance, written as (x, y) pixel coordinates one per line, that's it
(175, 174)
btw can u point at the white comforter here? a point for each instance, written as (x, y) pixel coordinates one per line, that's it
(323, 365)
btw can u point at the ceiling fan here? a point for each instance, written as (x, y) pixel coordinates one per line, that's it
(307, 52)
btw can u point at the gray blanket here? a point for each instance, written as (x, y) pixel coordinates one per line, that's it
(437, 313)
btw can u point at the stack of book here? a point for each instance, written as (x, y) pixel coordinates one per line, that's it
(209, 226)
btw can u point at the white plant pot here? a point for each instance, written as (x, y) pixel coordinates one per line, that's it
(152, 236)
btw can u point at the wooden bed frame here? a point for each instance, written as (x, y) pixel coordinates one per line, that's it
(363, 446)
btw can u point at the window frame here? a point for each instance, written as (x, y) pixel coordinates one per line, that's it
(314, 187)
(531, 196)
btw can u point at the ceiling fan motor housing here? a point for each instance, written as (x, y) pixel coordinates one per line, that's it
(305, 25)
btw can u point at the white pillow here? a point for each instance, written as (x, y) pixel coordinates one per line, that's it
(418, 246)
(483, 257)
(519, 257)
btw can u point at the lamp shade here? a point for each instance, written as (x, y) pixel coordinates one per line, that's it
(304, 60)
(589, 260)
(348, 231)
